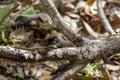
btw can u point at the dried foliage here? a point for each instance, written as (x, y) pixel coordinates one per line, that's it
(59, 40)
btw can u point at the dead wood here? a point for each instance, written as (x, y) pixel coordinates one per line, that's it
(103, 18)
(58, 20)
(81, 56)
(92, 50)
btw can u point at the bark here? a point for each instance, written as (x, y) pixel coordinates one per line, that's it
(103, 18)
(80, 56)
(60, 23)
(92, 49)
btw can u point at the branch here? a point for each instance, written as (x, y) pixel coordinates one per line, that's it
(60, 23)
(94, 49)
(24, 20)
(70, 71)
(103, 18)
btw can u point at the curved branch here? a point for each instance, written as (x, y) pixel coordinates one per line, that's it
(60, 23)
(103, 18)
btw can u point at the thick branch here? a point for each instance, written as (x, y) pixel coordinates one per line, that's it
(88, 53)
(15, 53)
(92, 49)
(24, 20)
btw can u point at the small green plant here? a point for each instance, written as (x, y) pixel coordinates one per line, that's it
(19, 75)
(3, 13)
(118, 54)
(14, 41)
(3, 36)
(91, 71)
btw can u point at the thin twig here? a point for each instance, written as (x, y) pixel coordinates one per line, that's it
(60, 23)
(103, 18)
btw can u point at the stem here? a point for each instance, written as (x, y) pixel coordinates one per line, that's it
(60, 23)
(103, 18)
